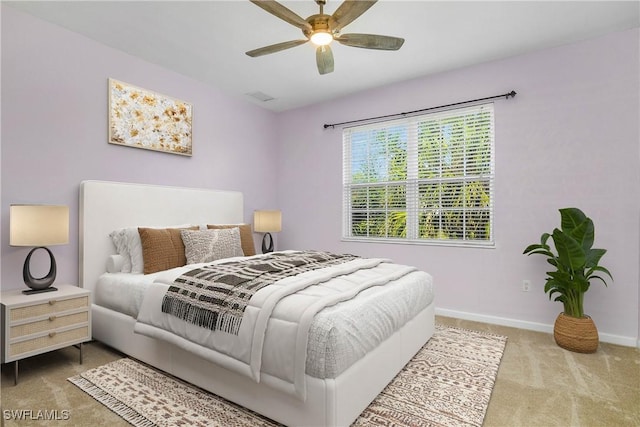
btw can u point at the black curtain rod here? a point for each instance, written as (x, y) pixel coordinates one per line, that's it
(505, 95)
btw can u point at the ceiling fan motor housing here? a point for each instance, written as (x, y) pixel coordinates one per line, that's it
(320, 23)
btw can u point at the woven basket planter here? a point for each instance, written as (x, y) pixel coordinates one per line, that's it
(576, 334)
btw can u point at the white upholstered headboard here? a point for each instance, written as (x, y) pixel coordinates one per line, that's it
(106, 206)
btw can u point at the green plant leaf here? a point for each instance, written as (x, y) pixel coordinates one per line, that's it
(555, 286)
(553, 261)
(598, 268)
(549, 287)
(544, 252)
(570, 252)
(604, 270)
(570, 218)
(544, 238)
(580, 284)
(561, 276)
(599, 278)
(593, 257)
(584, 234)
(534, 247)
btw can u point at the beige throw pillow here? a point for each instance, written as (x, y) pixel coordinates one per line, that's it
(211, 245)
(246, 236)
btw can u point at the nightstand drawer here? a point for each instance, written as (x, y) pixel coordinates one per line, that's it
(49, 324)
(50, 307)
(37, 323)
(53, 339)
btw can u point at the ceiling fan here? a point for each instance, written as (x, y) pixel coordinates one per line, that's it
(322, 29)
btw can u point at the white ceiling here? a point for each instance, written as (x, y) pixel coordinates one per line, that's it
(206, 40)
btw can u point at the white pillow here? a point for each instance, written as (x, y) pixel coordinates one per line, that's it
(115, 263)
(210, 245)
(134, 247)
(129, 240)
(119, 241)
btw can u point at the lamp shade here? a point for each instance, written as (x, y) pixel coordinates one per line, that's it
(38, 225)
(267, 221)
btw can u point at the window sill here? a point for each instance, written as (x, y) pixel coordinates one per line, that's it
(453, 243)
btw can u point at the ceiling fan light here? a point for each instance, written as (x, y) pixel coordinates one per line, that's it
(321, 38)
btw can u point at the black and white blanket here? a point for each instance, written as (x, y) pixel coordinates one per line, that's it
(271, 340)
(215, 296)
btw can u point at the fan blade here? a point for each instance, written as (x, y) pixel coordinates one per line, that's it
(324, 58)
(275, 48)
(350, 10)
(371, 41)
(276, 9)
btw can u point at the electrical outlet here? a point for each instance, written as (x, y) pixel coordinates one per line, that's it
(526, 285)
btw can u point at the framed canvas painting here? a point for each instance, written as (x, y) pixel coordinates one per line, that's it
(144, 119)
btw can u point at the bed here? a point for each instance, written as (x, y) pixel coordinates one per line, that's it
(317, 400)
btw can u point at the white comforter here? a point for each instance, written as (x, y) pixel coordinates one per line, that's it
(272, 341)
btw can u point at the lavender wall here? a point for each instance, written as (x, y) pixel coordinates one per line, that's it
(54, 132)
(569, 138)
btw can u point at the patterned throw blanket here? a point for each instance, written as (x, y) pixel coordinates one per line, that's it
(215, 296)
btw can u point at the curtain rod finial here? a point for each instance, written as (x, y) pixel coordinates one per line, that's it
(511, 94)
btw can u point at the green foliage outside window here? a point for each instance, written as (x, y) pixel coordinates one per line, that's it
(426, 178)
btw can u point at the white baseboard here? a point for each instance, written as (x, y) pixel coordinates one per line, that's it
(531, 326)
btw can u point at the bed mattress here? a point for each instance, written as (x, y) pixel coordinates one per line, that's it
(339, 335)
(122, 292)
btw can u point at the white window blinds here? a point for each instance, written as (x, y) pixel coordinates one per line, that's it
(423, 179)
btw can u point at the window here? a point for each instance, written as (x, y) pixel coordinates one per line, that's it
(423, 179)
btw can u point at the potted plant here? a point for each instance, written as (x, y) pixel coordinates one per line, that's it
(576, 265)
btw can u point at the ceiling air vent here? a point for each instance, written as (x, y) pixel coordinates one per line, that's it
(261, 96)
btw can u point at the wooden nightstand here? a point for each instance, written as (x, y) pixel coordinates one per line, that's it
(38, 323)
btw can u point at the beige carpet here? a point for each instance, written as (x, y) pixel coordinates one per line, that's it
(448, 383)
(539, 384)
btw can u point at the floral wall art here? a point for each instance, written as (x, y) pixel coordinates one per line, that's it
(144, 119)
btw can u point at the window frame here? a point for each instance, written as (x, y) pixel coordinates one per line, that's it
(412, 181)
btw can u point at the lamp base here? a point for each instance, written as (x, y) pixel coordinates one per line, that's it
(42, 283)
(39, 291)
(267, 243)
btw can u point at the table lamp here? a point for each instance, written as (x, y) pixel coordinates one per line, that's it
(267, 222)
(38, 226)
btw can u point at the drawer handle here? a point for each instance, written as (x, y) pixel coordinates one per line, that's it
(52, 318)
(52, 302)
(52, 334)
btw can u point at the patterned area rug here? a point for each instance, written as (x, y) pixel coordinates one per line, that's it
(448, 383)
